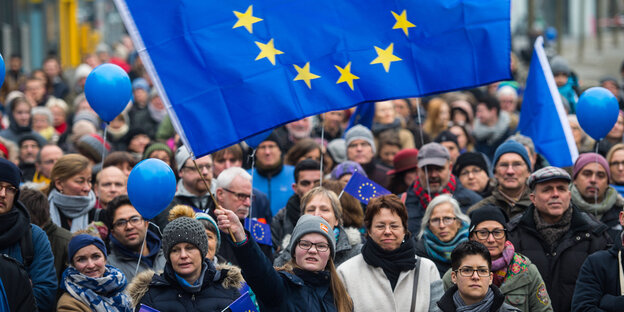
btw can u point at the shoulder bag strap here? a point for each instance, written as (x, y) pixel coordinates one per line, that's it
(416, 272)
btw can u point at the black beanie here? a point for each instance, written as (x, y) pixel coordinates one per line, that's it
(11, 174)
(469, 159)
(488, 213)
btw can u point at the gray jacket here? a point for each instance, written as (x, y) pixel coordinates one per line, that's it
(127, 265)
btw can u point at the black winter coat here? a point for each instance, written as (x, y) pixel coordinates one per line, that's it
(446, 303)
(560, 268)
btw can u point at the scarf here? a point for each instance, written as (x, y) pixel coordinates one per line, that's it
(441, 251)
(13, 225)
(378, 128)
(391, 262)
(117, 134)
(100, 294)
(156, 114)
(74, 207)
(481, 306)
(598, 209)
(423, 195)
(551, 233)
(197, 285)
(153, 245)
(491, 134)
(500, 265)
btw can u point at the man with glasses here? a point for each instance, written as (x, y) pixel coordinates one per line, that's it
(511, 170)
(128, 230)
(556, 235)
(307, 176)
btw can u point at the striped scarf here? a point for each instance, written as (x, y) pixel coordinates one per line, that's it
(423, 195)
(102, 294)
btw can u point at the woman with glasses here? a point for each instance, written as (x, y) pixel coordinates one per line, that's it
(517, 278)
(444, 226)
(388, 275)
(615, 158)
(472, 288)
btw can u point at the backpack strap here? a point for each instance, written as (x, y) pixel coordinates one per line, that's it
(27, 248)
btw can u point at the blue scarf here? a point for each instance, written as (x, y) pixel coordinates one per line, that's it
(102, 294)
(441, 251)
(153, 245)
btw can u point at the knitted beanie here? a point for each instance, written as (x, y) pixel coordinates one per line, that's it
(359, 132)
(11, 174)
(157, 147)
(184, 230)
(207, 217)
(88, 116)
(488, 213)
(337, 150)
(587, 158)
(182, 155)
(512, 146)
(469, 159)
(92, 146)
(83, 240)
(347, 167)
(312, 224)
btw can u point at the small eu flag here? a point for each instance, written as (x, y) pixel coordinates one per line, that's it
(364, 189)
(145, 308)
(243, 304)
(260, 232)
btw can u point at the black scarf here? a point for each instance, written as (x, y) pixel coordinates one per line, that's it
(269, 172)
(293, 209)
(392, 262)
(321, 278)
(13, 225)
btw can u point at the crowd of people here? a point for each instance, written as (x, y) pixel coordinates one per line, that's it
(477, 219)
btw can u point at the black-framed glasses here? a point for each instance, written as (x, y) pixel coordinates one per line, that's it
(616, 164)
(306, 183)
(474, 171)
(8, 189)
(240, 196)
(445, 220)
(484, 234)
(306, 245)
(469, 271)
(201, 167)
(121, 223)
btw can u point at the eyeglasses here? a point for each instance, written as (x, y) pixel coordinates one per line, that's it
(516, 165)
(474, 171)
(240, 196)
(468, 271)
(616, 164)
(201, 167)
(306, 183)
(445, 220)
(306, 245)
(9, 190)
(121, 223)
(484, 234)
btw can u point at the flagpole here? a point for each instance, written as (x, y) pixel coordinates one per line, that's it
(421, 141)
(322, 140)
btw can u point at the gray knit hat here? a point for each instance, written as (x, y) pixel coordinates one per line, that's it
(181, 156)
(185, 230)
(359, 132)
(312, 224)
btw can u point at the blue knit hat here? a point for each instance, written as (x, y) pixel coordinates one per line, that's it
(11, 174)
(83, 240)
(512, 146)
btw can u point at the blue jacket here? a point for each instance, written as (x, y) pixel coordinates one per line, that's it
(41, 270)
(283, 291)
(277, 187)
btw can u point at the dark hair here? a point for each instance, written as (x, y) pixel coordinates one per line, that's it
(300, 149)
(37, 205)
(112, 207)
(352, 212)
(391, 202)
(119, 158)
(490, 102)
(388, 137)
(306, 164)
(235, 150)
(469, 248)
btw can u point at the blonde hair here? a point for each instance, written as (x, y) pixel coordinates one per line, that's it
(65, 168)
(333, 198)
(432, 125)
(181, 211)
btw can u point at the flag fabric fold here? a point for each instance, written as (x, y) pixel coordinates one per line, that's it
(261, 232)
(542, 116)
(243, 304)
(227, 70)
(364, 189)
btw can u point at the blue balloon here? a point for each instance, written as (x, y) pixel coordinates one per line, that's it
(2, 70)
(255, 140)
(151, 187)
(551, 33)
(597, 111)
(108, 91)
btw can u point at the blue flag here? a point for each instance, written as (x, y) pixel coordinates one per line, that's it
(364, 189)
(145, 308)
(243, 304)
(260, 232)
(363, 115)
(227, 70)
(543, 117)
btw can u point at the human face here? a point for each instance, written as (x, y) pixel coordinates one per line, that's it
(410, 176)
(34, 90)
(58, 115)
(511, 172)
(436, 176)
(321, 206)
(561, 79)
(332, 120)
(314, 154)
(77, 185)
(212, 245)
(401, 108)
(299, 129)
(125, 168)
(452, 148)
(474, 288)
(90, 261)
(138, 143)
(40, 122)
(131, 234)
(360, 151)
(577, 133)
(486, 116)
(618, 129)
(162, 155)
(551, 199)
(462, 140)
(28, 151)
(186, 261)
(308, 179)
(229, 197)
(474, 178)
(7, 196)
(444, 232)
(312, 260)
(268, 154)
(592, 182)
(50, 154)
(495, 246)
(157, 103)
(387, 230)
(52, 68)
(609, 85)
(21, 114)
(616, 167)
(445, 114)
(387, 153)
(140, 96)
(111, 182)
(226, 162)
(384, 112)
(192, 180)
(507, 102)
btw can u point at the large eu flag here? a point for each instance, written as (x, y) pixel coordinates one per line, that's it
(227, 70)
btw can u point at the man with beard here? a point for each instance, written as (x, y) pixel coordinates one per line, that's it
(128, 230)
(191, 190)
(331, 124)
(234, 193)
(434, 178)
(29, 147)
(293, 132)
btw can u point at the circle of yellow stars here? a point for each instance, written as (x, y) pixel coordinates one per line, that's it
(373, 193)
(255, 234)
(385, 57)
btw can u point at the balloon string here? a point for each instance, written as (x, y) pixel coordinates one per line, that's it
(136, 271)
(422, 142)
(253, 161)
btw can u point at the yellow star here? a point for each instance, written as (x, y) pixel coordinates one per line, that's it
(346, 75)
(402, 22)
(246, 19)
(305, 74)
(385, 57)
(267, 50)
